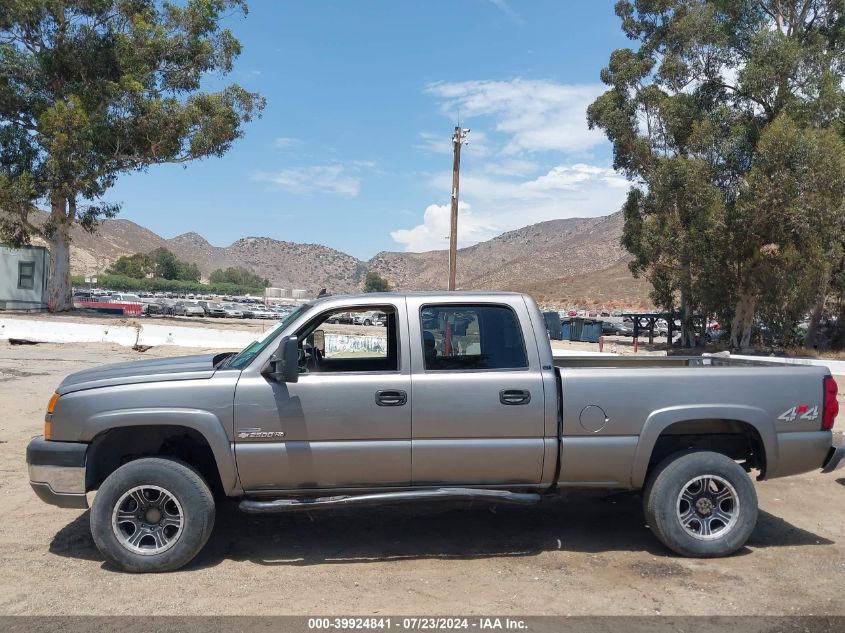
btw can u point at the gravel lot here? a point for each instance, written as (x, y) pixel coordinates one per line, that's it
(582, 554)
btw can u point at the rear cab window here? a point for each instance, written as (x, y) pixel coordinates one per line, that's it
(471, 337)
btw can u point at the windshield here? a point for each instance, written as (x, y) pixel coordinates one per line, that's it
(245, 356)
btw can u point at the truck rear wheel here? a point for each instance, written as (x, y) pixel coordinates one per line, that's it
(700, 504)
(152, 515)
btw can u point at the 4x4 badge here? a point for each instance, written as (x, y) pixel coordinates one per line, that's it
(800, 411)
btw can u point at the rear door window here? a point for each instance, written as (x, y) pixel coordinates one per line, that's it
(471, 337)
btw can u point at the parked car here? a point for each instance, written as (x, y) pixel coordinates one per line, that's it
(366, 318)
(124, 297)
(282, 426)
(714, 334)
(152, 308)
(260, 312)
(184, 308)
(232, 311)
(212, 308)
(343, 318)
(614, 328)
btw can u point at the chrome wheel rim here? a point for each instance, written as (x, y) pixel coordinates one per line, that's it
(148, 520)
(707, 507)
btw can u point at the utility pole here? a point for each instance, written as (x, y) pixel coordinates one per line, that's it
(458, 139)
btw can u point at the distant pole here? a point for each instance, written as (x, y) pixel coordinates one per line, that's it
(458, 139)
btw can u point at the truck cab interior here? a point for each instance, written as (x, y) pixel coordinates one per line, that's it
(326, 349)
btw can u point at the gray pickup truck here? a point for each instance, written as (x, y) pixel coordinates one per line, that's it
(459, 399)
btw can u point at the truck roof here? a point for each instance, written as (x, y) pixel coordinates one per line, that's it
(445, 294)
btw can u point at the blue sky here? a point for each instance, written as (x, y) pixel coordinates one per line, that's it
(353, 150)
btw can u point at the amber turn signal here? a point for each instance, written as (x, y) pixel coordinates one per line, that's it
(48, 424)
(52, 404)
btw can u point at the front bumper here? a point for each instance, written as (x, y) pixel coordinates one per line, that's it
(833, 461)
(57, 472)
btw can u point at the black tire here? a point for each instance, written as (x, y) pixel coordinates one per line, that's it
(367, 322)
(184, 484)
(664, 507)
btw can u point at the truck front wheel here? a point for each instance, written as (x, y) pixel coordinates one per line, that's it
(152, 515)
(700, 504)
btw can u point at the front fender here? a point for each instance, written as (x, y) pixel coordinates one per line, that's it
(203, 422)
(659, 420)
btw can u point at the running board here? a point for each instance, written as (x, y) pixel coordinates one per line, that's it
(257, 506)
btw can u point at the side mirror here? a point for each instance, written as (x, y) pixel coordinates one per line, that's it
(284, 365)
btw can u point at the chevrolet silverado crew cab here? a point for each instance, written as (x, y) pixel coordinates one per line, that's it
(460, 399)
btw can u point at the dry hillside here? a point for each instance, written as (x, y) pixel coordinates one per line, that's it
(576, 260)
(532, 254)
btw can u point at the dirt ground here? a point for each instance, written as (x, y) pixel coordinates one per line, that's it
(583, 554)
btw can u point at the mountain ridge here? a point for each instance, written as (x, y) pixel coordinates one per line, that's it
(557, 261)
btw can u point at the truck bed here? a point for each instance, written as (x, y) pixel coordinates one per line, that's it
(614, 409)
(625, 362)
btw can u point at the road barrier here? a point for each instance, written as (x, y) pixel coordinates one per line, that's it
(344, 343)
(127, 334)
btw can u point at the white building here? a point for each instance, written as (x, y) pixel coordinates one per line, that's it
(23, 277)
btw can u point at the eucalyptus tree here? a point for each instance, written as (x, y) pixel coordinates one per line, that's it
(711, 99)
(91, 89)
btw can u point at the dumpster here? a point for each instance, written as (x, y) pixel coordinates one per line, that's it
(553, 325)
(580, 329)
(591, 331)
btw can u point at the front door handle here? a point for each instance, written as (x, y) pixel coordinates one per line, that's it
(391, 398)
(514, 396)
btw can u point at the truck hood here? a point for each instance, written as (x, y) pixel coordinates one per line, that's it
(153, 370)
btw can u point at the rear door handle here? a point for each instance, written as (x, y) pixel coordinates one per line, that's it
(391, 398)
(514, 396)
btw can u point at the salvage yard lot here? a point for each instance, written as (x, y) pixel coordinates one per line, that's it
(588, 553)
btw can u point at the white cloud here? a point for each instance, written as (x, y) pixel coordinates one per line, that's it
(364, 164)
(571, 176)
(333, 179)
(434, 143)
(283, 142)
(533, 168)
(494, 204)
(534, 115)
(505, 8)
(433, 233)
(509, 167)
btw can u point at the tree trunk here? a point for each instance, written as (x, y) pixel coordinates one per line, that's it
(810, 339)
(750, 308)
(59, 288)
(743, 320)
(736, 323)
(687, 328)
